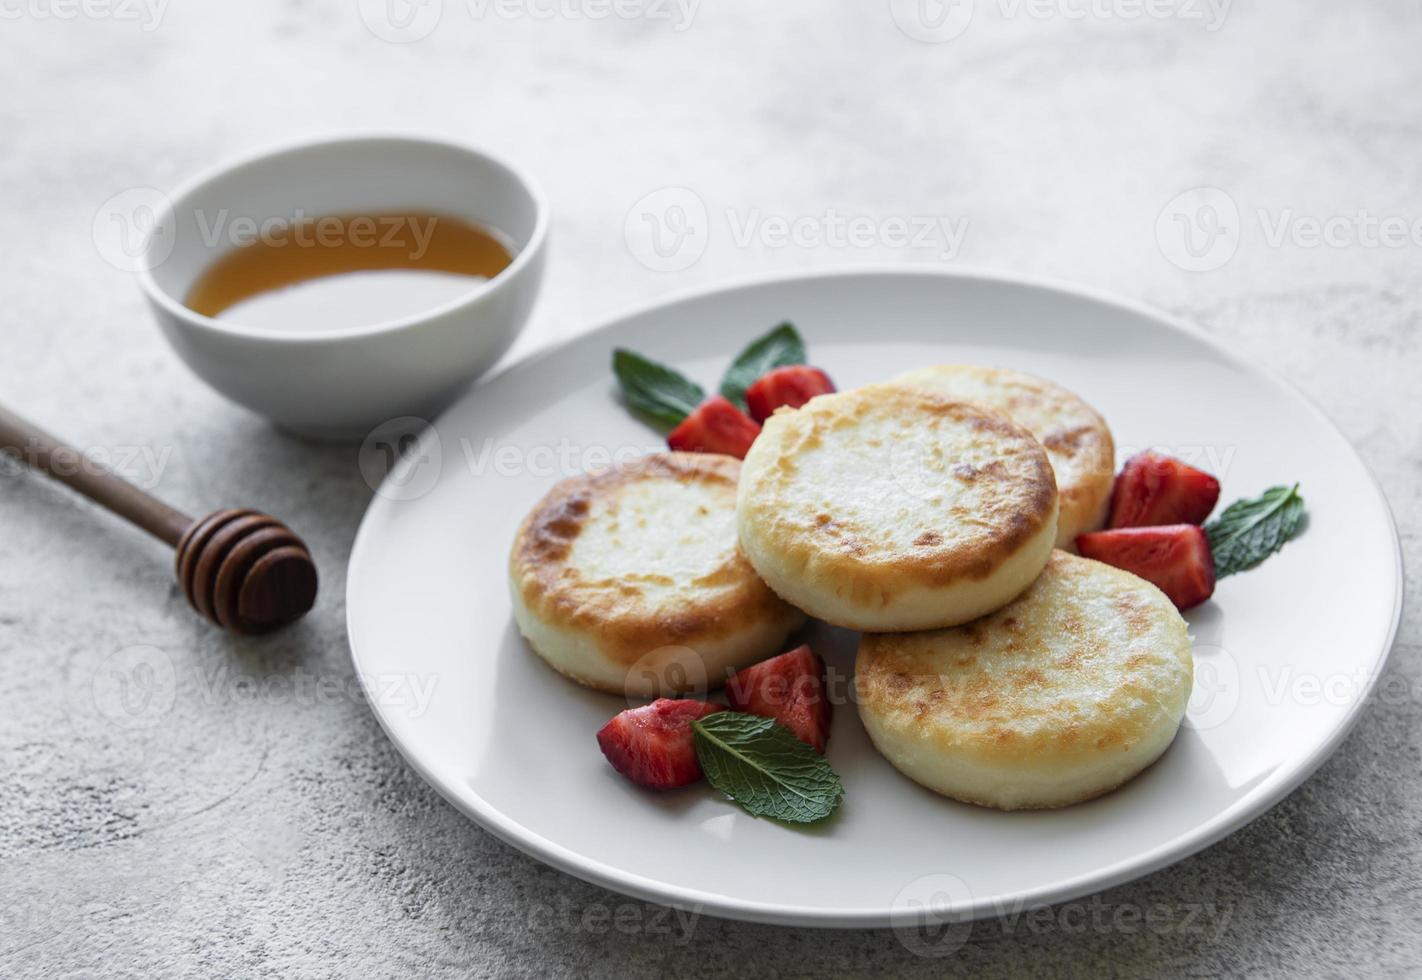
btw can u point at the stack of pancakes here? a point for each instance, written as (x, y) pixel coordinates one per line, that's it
(927, 513)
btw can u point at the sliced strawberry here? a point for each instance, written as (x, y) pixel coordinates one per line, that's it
(1175, 558)
(789, 386)
(1154, 489)
(652, 745)
(716, 426)
(789, 688)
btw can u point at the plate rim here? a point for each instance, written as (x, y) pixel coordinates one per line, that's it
(1261, 798)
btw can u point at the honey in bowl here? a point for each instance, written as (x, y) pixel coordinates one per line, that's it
(342, 271)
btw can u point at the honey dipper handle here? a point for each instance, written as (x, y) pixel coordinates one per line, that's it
(38, 449)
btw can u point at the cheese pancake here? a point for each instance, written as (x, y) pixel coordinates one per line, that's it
(630, 579)
(1076, 437)
(1061, 696)
(892, 508)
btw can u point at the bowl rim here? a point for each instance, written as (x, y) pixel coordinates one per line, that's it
(502, 282)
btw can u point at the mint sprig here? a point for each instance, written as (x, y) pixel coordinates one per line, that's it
(1248, 531)
(761, 765)
(778, 348)
(657, 391)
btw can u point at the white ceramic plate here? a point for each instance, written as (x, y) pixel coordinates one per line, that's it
(1286, 654)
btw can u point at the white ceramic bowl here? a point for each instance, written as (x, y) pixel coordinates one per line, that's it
(339, 384)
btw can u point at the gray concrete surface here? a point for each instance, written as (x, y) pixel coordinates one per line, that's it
(237, 828)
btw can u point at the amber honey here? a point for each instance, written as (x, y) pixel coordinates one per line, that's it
(341, 271)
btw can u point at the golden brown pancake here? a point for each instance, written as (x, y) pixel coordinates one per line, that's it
(630, 579)
(1058, 697)
(893, 508)
(1076, 437)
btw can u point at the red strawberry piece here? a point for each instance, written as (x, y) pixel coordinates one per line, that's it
(1175, 558)
(653, 745)
(789, 386)
(716, 426)
(1154, 489)
(789, 688)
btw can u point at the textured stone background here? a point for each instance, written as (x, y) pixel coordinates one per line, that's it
(216, 831)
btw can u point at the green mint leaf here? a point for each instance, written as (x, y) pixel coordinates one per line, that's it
(761, 765)
(654, 389)
(1251, 530)
(778, 348)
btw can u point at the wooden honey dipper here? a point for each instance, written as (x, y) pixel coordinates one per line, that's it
(241, 569)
